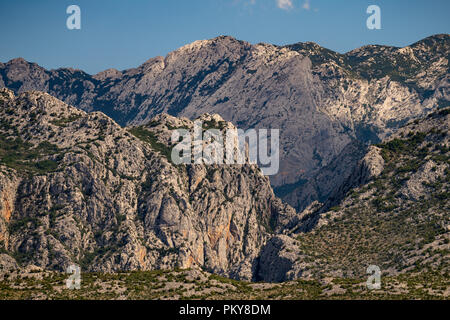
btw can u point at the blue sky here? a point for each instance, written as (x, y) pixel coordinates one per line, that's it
(123, 34)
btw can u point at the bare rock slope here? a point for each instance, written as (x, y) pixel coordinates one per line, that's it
(78, 188)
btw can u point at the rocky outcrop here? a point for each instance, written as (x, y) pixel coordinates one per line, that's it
(8, 192)
(78, 188)
(368, 168)
(277, 260)
(324, 182)
(427, 174)
(7, 263)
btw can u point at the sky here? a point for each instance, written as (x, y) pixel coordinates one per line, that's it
(123, 34)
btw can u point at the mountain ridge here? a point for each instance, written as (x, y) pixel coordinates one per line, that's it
(322, 100)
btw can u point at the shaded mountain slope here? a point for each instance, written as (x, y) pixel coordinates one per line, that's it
(398, 219)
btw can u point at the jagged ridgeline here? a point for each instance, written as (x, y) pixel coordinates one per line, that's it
(324, 102)
(78, 188)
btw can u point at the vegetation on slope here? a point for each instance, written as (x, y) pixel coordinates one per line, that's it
(399, 221)
(196, 285)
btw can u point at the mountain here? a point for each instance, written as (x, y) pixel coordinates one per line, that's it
(323, 102)
(76, 187)
(392, 211)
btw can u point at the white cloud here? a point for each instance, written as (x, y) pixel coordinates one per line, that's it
(306, 5)
(285, 4)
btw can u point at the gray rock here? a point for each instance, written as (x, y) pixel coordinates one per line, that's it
(7, 264)
(84, 190)
(277, 262)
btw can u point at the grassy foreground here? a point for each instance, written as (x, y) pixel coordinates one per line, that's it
(194, 284)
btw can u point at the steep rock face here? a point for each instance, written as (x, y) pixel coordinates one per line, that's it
(277, 260)
(321, 100)
(324, 182)
(7, 263)
(8, 192)
(368, 168)
(81, 189)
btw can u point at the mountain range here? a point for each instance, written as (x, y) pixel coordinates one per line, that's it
(323, 102)
(86, 175)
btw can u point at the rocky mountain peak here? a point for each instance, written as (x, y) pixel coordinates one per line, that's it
(108, 74)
